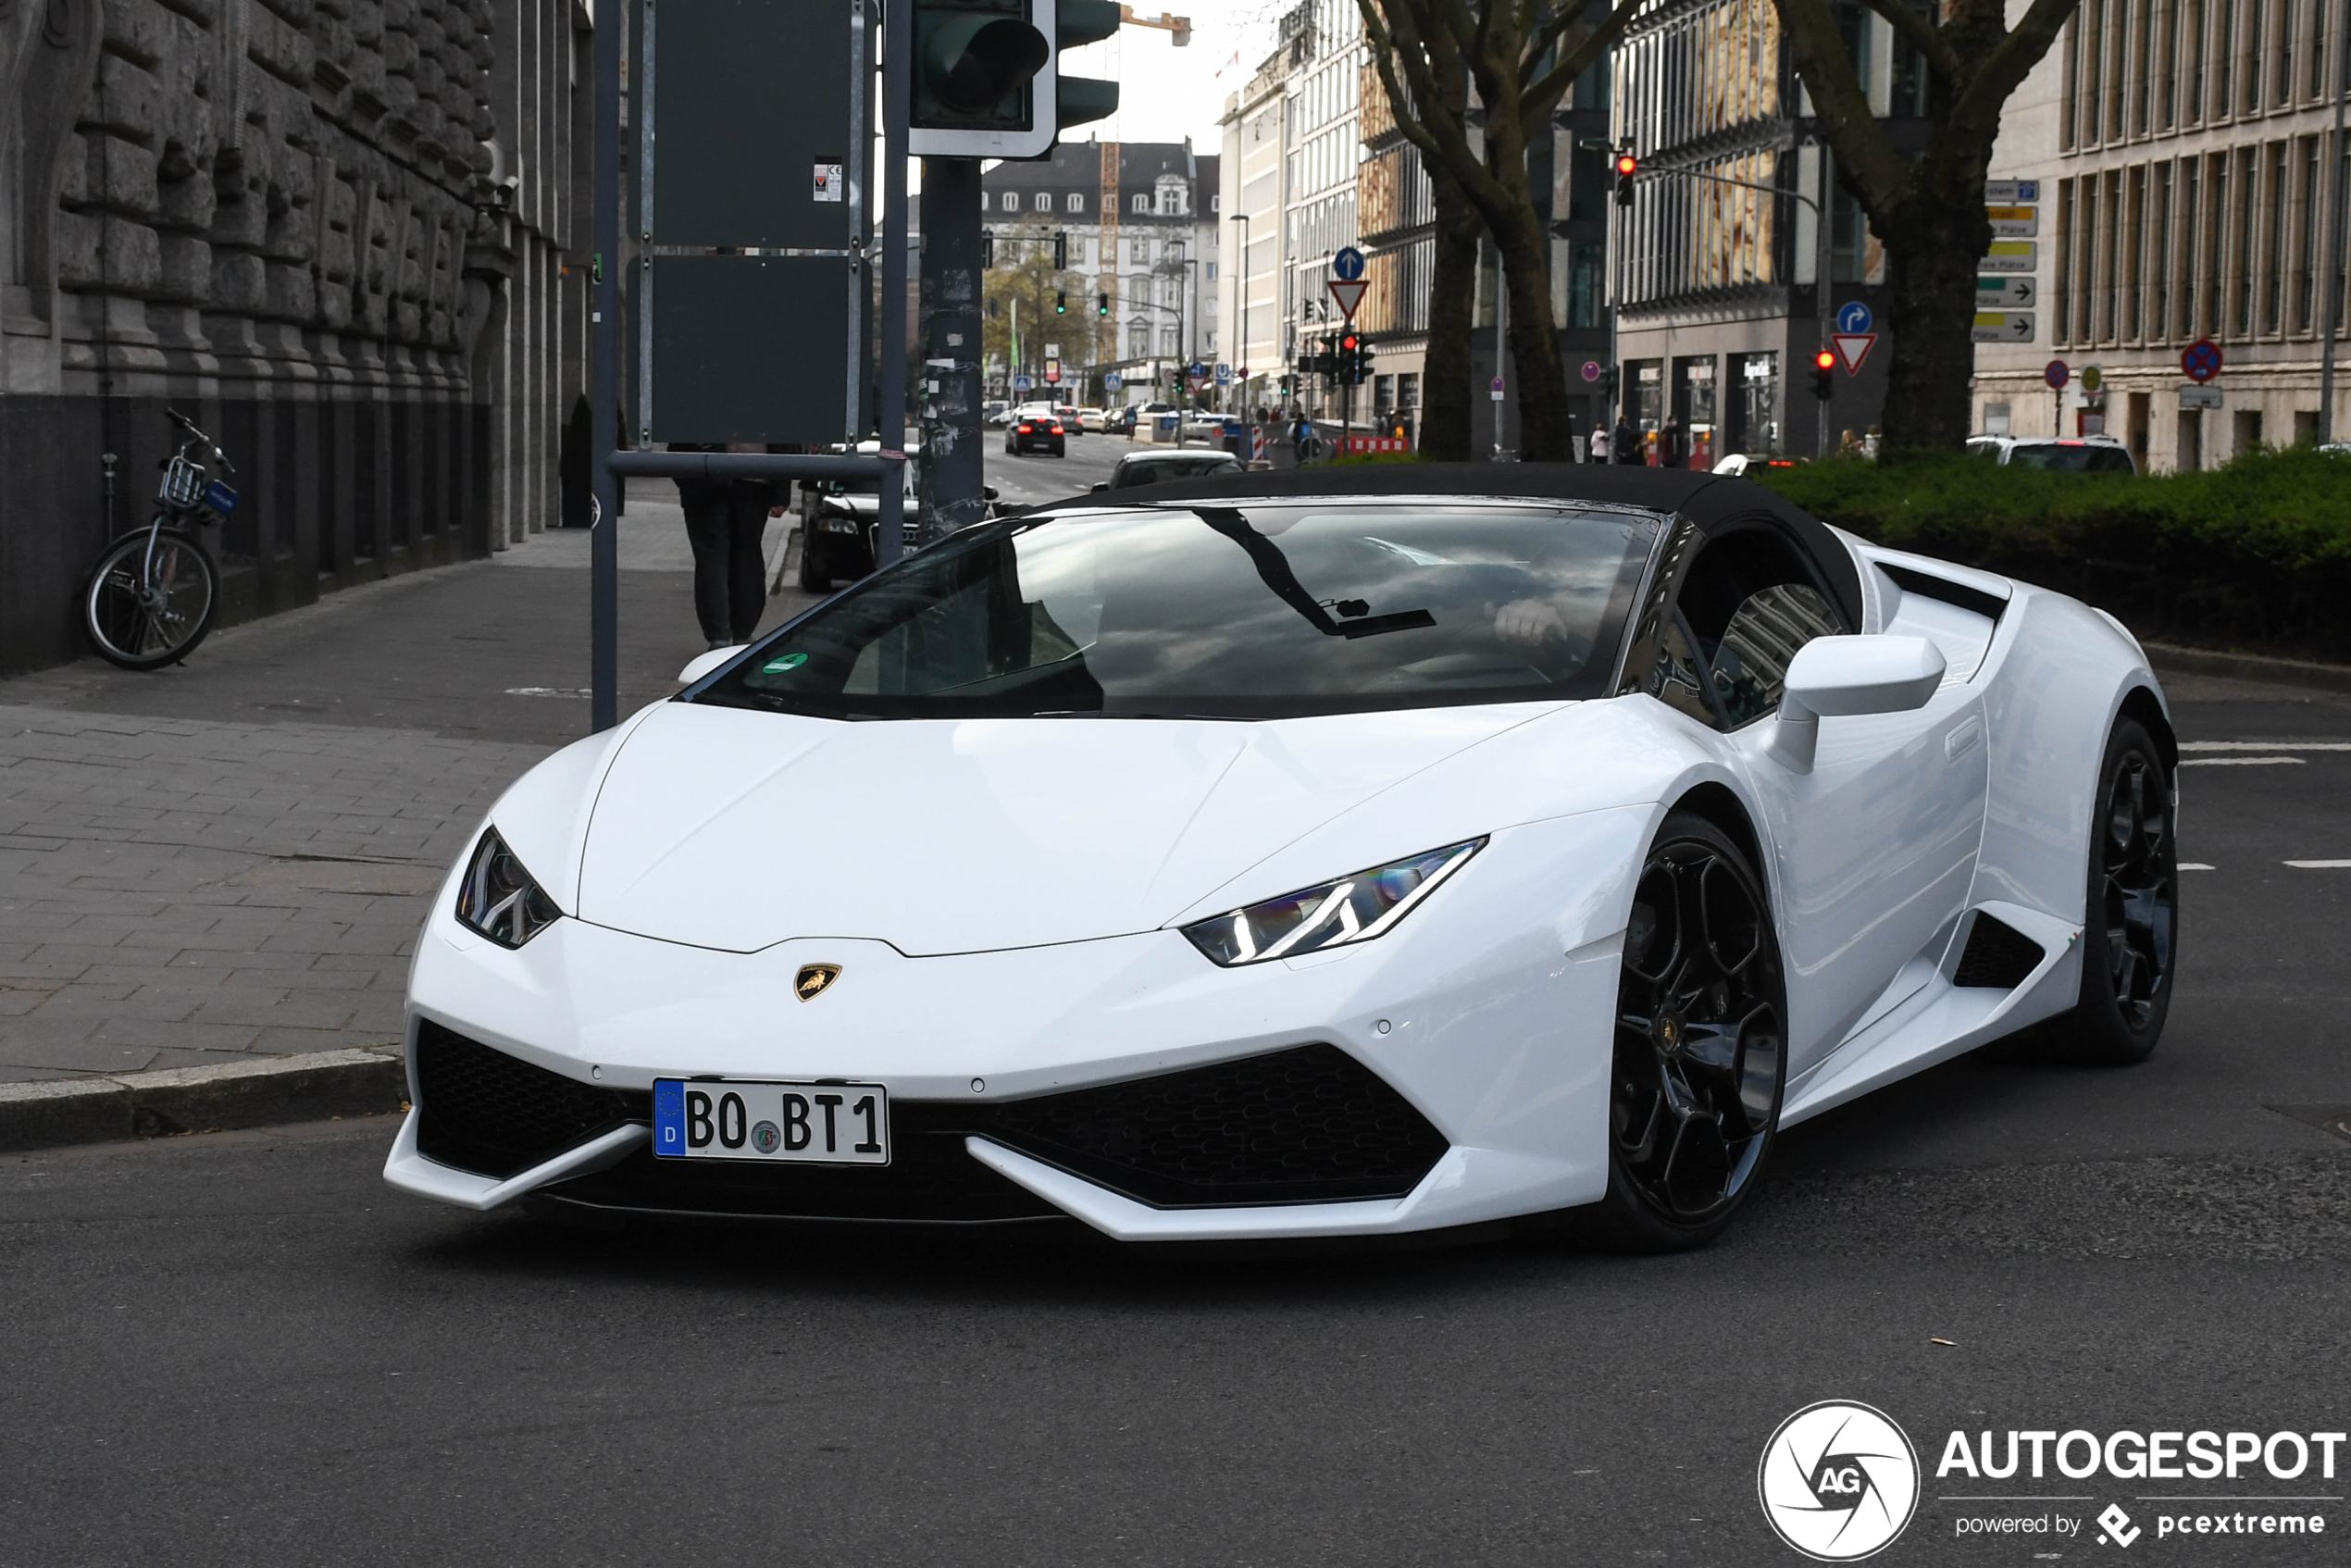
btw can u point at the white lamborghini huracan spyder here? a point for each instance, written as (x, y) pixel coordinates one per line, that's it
(1342, 854)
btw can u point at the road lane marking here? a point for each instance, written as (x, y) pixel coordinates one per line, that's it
(2320, 864)
(2240, 762)
(2193, 865)
(2265, 745)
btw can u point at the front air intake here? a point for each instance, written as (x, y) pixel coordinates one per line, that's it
(494, 1114)
(1308, 1125)
(1998, 957)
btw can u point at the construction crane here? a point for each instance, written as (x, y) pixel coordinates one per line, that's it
(1180, 26)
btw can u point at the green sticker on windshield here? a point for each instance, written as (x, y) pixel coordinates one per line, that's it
(778, 665)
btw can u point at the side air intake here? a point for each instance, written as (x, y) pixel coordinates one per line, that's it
(1997, 957)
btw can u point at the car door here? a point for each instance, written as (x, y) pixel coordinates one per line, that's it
(1874, 850)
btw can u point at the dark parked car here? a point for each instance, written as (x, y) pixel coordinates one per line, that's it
(1150, 467)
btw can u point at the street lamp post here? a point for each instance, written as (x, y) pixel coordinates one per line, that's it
(1240, 299)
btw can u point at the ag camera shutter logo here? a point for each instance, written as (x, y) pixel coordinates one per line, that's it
(1839, 1481)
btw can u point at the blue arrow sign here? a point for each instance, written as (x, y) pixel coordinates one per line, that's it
(1348, 265)
(1853, 316)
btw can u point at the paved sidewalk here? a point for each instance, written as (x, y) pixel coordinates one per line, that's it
(231, 858)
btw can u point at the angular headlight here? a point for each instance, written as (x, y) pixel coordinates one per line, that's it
(1351, 909)
(498, 898)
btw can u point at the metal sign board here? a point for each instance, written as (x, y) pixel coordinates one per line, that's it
(1052, 370)
(1852, 348)
(2012, 193)
(1020, 383)
(2200, 361)
(1591, 369)
(2199, 397)
(1052, 351)
(2014, 223)
(1224, 375)
(2091, 378)
(1113, 381)
(2010, 256)
(1854, 316)
(1348, 265)
(1497, 389)
(1348, 292)
(2005, 293)
(2057, 373)
(2001, 327)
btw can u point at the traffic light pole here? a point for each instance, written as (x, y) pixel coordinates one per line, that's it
(889, 388)
(604, 553)
(951, 495)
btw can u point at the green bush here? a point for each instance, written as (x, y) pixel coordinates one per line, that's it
(2256, 554)
(1353, 459)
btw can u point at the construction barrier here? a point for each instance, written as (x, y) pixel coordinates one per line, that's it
(1373, 444)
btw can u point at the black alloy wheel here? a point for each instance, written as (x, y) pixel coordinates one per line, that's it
(1700, 1056)
(2130, 919)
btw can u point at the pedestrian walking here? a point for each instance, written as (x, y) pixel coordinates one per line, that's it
(1598, 452)
(1670, 451)
(724, 522)
(1624, 446)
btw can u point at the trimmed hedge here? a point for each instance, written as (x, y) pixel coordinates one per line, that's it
(2254, 555)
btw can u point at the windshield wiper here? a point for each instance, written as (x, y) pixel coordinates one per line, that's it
(1274, 569)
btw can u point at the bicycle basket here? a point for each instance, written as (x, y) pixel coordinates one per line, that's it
(183, 483)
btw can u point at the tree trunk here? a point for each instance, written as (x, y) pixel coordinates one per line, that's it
(1930, 266)
(1446, 392)
(1544, 434)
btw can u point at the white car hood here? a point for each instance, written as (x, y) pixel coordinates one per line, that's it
(731, 829)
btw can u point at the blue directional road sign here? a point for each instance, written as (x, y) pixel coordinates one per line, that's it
(1348, 265)
(1020, 383)
(1853, 316)
(1113, 381)
(1223, 374)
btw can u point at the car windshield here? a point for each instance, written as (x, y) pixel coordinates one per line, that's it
(2064, 458)
(1246, 610)
(1152, 470)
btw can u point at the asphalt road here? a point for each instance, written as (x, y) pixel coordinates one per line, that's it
(242, 1348)
(1030, 479)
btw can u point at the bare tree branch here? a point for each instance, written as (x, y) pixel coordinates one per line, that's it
(1543, 96)
(1980, 102)
(1845, 116)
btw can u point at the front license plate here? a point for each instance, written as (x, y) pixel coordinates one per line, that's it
(807, 1123)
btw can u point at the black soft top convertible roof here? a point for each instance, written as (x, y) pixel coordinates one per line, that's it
(1715, 503)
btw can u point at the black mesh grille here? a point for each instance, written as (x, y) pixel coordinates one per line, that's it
(1998, 957)
(1301, 1125)
(494, 1114)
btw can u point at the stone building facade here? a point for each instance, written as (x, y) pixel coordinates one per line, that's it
(2190, 175)
(298, 222)
(1139, 222)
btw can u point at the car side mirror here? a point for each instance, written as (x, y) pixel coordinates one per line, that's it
(703, 664)
(987, 492)
(1844, 676)
(1102, 484)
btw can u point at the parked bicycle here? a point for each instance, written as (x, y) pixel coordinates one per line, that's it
(153, 594)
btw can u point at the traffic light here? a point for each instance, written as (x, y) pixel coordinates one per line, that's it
(1626, 166)
(1102, 304)
(1825, 374)
(987, 83)
(1061, 253)
(1353, 361)
(1060, 304)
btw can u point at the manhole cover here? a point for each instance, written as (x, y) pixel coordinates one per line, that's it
(2335, 1119)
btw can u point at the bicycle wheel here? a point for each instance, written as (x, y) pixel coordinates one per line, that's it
(144, 609)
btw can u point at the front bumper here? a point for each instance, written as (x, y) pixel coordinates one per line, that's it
(1495, 1042)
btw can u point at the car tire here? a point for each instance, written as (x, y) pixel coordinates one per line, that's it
(2130, 913)
(810, 579)
(1699, 1054)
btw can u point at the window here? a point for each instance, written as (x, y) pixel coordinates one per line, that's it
(1011, 203)
(1077, 202)
(1142, 203)
(1044, 201)
(1747, 605)
(1139, 250)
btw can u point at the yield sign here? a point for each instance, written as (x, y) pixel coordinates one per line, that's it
(1852, 348)
(1349, 292)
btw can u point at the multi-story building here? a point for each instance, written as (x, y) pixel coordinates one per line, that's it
(1716, 282)
(1141, 221)
(2188, 170)
(1251, 204)
(341, 240)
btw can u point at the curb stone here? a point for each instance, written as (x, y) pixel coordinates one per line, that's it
(2169, 660)
(238, 1094)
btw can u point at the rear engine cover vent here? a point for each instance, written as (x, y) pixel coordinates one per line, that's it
(1998, 957)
